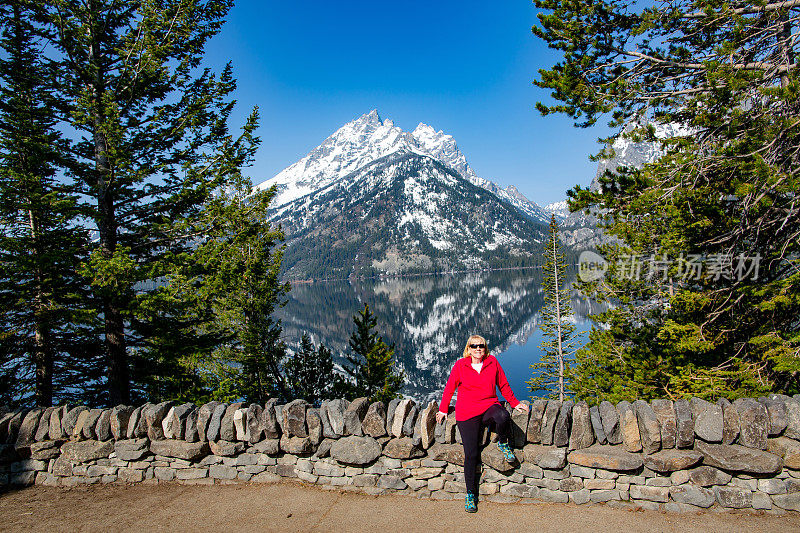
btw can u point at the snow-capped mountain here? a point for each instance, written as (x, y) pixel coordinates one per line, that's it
(374, 199)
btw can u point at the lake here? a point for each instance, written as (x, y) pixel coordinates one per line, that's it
(429, 318)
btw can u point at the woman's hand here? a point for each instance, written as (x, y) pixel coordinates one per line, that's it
(440, 416)
(521, 408)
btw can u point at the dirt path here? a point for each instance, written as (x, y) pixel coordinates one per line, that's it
(292, 507)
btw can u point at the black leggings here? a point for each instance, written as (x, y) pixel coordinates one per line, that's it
(470, 431)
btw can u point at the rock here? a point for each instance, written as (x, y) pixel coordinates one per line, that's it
(545, 456)
(705, 476)
(132, 449)
(77, 431)
(610, 418)
(629, 427)
(665, 414)
(190, 432)
(133, 422)
(534, 433)
(684, 424)
(707, 420)
(671, 460)
(450, 429)
(374, 422)
(792, 407)
(327, 431)
(353, 416)
(427, 425)
(730, 421)
(605, 457)
(56, 429)
(739, 458)
(26, 434)
(355, 450)
(240, 425)
(390, 409)
(324, 448)
(549, 421)
(410, 420)
(188, 451)
(155, 417)
(402, 448)
(118, 421)
(279, 418)
(519, 425)
(597, 428)
(90, 424)
(492, 456)
(43, 431)
(103, 427)
(400, 414)
(786, 448)
(733, 498)
(692, 495)
(336, 409)
(582, 434)
(85, 451)
(69, 420)
(173, 424)
(270, 420)
(204, 414)
(452, 453)
(789, 502)
(44, 450)
(227, 431)
(215, 422)
(314, 424)
(294, 418)
(776, 412)
(753, 423)
(141, 425)
(562, 426)
(649, 429)
(226, 448)
(653, 494)
(267, 446)
(296, 445)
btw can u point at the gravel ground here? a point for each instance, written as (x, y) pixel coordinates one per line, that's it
(294, 507)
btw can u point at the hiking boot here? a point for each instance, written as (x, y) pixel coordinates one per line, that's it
(469, 503)
(508, 455)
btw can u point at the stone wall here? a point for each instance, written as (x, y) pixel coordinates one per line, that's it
(678, 456)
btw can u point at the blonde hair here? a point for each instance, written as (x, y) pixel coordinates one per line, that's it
(475, 338)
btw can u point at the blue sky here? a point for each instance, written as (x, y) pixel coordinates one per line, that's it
(463, 67)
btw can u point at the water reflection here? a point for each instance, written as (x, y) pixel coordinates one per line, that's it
(429, 318)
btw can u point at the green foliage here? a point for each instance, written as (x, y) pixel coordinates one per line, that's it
(310, 373)
(724, 189)
(551, 373)
(373, 367)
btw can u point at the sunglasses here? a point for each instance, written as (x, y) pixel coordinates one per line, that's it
(477, 346)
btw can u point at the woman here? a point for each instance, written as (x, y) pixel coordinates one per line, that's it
(476, 376)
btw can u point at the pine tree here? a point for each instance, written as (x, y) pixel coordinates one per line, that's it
(310, 373)
(152, 146)
(41, 243)
(723, 196)
(551, 373)
(373, 367)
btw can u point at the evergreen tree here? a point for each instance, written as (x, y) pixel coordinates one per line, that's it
(310, 373)
(41, 245)
(551, 372)
(152, 146)
(716, 218)
(373, 367)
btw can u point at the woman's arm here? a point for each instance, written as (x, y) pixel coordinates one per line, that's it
(452, 383)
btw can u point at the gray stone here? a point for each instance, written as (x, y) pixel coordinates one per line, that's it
(44, 450)
(141, 424)
(786, 448)
(222, 472)
(279, 418)
(173, 423)
(191, 473)
(324, 448)
(582, 434)
(296, 445)
(773, 486)
(561, 429)
(133, 422)
(163, 473)
(534, 432)
(653, 494)
(85, 451)
(267, 446)
(390, 409)
(327, 431)
(672, 460)
(427, 425)
(402, 448)
(665, 415)
(754, 423)
(190, 431)
(353, 416)
(118, 421)
(227, 431)
(355, 450)
(103, 427)
(761, 501)
(226, 448)
(605, 457)
(776, 412)
(450, 429)
(493, 457)
(692, 495)
(204, 414)
(68, 421)
(684, 424)
(374, 423)
(269, 420)
(629, 427)
(597, 428)
(240, 425)
(189, 451)
(649, 429)
(90, 424)
(400, 414)
(294, 418)
(545, 456)
(599, 496)
(43, 431)
(26, 435)
(411, 418)
(792, 407)
(789, 502)
(739, 458)
(571, 484)
(708, 423)
(336, 409)
(733, 498)
(155, 418)
(549, 421)
(132, 449)
(314, 425)
(611, 426)
(452, 453)
(519, 425)
(215, 422)
(518, 490)
(391, 482)
(12, 427)
(730, 421)
(705, 476)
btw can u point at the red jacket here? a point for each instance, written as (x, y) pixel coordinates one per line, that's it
(476, 392)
